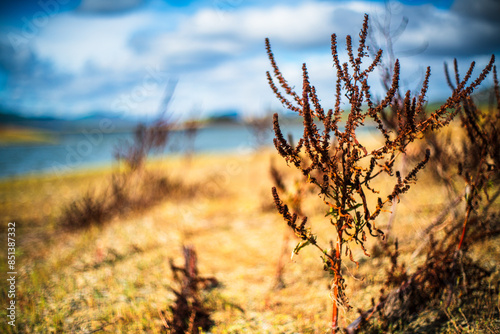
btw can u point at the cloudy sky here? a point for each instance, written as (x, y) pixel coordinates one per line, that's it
(70, 58)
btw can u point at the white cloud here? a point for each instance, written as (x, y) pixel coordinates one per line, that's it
(71, 40)
(306, 24)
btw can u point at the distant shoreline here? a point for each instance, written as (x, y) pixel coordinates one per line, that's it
(13, 168)
(40, 152)
(12, 135)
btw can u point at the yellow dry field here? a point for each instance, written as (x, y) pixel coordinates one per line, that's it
(116, 278)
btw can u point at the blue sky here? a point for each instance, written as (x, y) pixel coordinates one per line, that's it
(71, 58)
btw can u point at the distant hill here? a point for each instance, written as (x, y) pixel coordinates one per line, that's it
(120, 124)
(10, 118)
(227, 116)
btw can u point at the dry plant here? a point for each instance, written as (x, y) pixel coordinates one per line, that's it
(148, 138)
(295, 197)
(88, 210)
(449, 271)
(260, 127)
(277, 178)
(384, 36)
(347, 168)
(432, 285)
(124, 194)
(132, 190)
(189, 314)
(479, 162)
(191, 129)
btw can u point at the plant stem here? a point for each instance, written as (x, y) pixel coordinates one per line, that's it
(471, 197)
(467, 214)
(336, 283)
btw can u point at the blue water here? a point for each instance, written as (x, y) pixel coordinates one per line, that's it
(75, 151)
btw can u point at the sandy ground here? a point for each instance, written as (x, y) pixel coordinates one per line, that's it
(117, 278)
